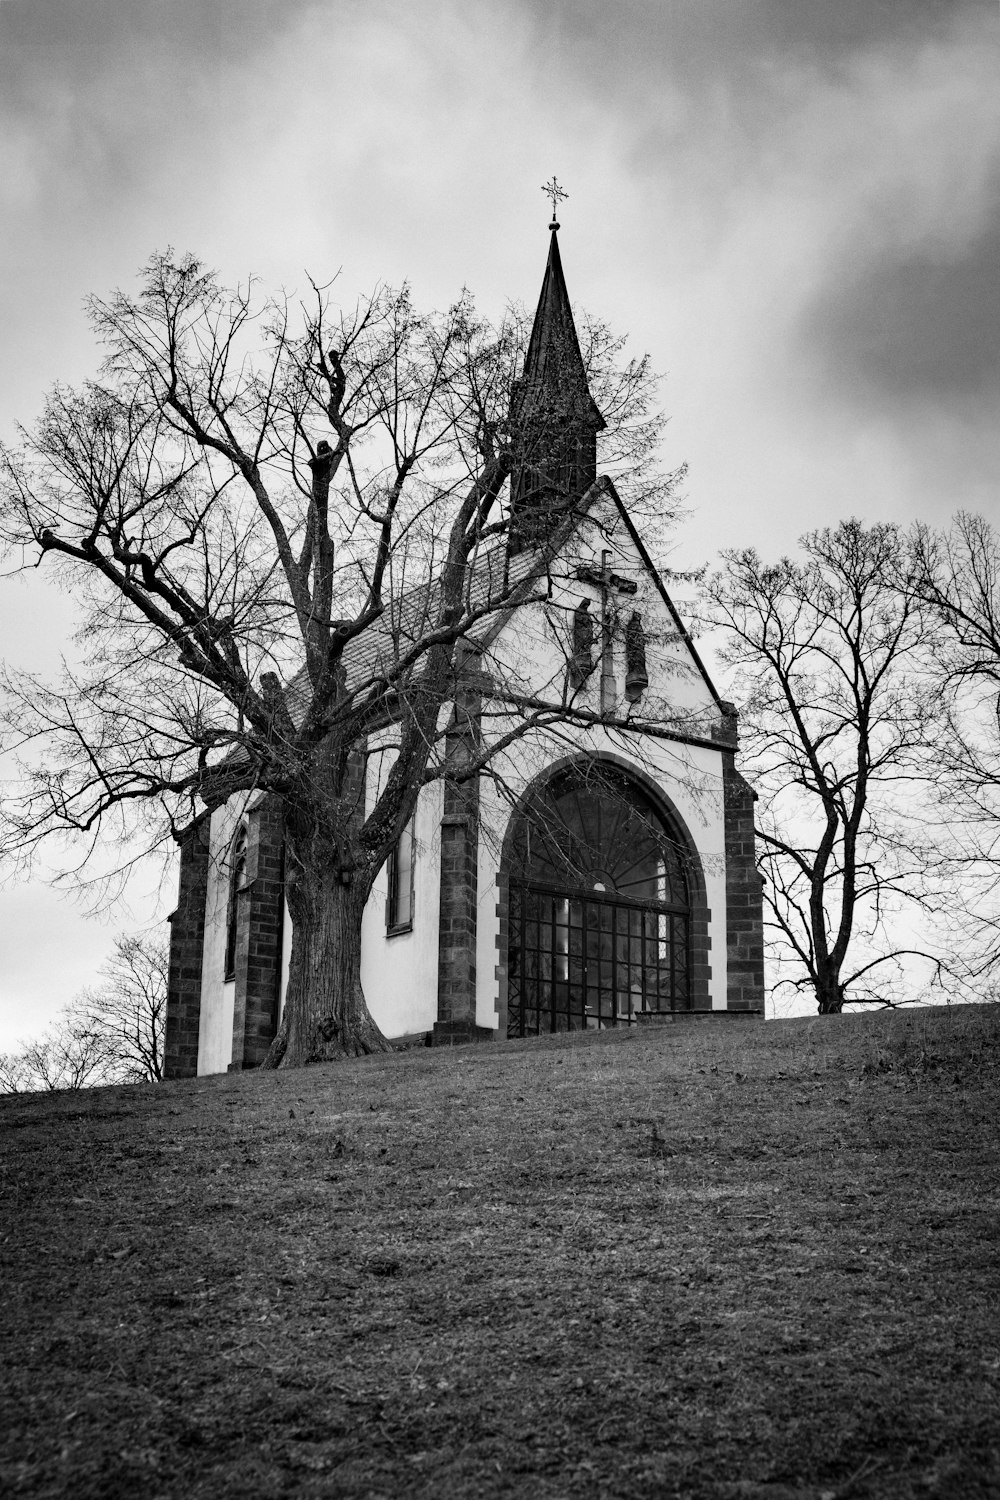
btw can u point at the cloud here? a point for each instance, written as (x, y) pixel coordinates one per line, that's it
(94, 91)
(926, 326)
(822, 29)
(899, 303)
(737, 41)
(196, 28)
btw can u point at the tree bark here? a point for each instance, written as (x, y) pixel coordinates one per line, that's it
(829, 994)
(326, 1015)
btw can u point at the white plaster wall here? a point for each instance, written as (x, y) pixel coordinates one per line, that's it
(398, 973)
(215, 1034)
(286, 954)
(532, 650)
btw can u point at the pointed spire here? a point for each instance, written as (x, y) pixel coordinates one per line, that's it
(553, 417)
(554, 374)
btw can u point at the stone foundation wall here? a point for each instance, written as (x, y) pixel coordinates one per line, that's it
(456, 1018)
(744, 900)
(259, 921)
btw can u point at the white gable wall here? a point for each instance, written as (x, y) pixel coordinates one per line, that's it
(530, 655)
(533, 647)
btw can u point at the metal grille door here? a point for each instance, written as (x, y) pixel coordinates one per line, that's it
(580, 961)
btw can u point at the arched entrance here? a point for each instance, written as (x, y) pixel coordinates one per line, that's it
(599, 906)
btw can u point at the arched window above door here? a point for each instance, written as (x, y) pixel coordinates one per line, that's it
(592, 828)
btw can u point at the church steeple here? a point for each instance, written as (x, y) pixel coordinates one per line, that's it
(554, 420)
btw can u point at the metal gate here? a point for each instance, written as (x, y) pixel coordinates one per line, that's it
(577, 961)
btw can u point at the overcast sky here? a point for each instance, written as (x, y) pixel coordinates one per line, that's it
(791, 204)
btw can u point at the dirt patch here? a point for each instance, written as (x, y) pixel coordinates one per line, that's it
(727, 1261)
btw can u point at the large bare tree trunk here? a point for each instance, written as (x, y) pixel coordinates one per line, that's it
(326, 1015)
(829, 994)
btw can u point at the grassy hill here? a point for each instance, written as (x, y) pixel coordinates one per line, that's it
(715, 1259)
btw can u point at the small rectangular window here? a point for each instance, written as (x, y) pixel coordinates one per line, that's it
(399, 906)
(237, 879)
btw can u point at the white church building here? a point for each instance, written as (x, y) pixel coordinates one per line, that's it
(600, 872)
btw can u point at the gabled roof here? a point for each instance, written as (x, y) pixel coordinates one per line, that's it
(495, 582)
(497, 586)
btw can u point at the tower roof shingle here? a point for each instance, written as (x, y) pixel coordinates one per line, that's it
(554, 376)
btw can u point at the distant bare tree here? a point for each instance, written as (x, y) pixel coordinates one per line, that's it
(110, 1033)
(956, 574)
(126, 1012)
(15, 1076)
(285, 527)
(68, 1056)
(830, 664)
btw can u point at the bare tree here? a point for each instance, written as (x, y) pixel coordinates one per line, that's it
(830, 663)
(15, 1075)
(286, 529)
(110, 1033)
(956, 574)
(126, 1012)
(69, 1055)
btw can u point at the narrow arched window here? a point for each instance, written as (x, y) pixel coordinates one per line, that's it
(399, 905)
(237, 879)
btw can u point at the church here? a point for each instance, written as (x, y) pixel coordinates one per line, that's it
(600, 872)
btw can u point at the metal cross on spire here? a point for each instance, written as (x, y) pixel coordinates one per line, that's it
(554, 191)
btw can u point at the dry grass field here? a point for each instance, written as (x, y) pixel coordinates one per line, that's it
(710, 1260)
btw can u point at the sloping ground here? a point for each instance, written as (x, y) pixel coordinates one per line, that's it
(719, 1259)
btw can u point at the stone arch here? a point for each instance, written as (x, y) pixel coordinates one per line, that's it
(512, 882)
